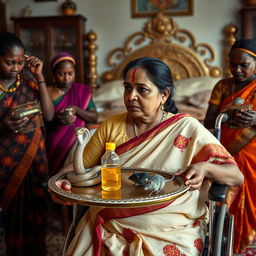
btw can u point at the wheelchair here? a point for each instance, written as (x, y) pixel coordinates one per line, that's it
(219, 241)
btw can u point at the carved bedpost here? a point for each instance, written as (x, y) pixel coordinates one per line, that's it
(230, 31)
(91, 75)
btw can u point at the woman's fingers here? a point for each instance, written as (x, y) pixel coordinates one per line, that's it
(58, 200)
(17, 125)
(63, 184)
(180, 171)
(35, 64)
(192, 176)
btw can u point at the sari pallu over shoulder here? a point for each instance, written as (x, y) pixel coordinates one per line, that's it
(61, 138)
(182, 138)
(178, 225)
(236, 139)
(20, 149)
(241, 143)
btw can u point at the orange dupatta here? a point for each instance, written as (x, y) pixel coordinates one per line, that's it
(241, 143)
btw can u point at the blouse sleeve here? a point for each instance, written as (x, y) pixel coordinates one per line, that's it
(91, 105)
(217, 94)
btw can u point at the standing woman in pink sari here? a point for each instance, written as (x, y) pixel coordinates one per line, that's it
(73, 108)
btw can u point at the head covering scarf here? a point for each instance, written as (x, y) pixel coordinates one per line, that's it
(245, 45)
(61, 57)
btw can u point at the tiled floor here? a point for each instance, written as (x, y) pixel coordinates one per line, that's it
(55, 244)
(55, 237)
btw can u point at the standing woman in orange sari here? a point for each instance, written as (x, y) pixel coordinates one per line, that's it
(239, 134)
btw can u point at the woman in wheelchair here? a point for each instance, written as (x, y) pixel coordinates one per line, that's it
(238, 134)
(151, 134)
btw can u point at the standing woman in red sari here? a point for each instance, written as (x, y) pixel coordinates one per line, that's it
(24, 101)
(73, 108)
(239, 134)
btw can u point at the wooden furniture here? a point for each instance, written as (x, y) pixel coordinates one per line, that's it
(44, 37)
(248, 16)
(3, 26)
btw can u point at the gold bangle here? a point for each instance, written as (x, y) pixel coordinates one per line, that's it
(40, 82)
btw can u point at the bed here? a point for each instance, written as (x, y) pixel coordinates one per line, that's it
(190, 62)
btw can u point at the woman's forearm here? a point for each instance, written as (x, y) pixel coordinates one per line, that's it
(45, 100)
(228, 174)
(90, 116)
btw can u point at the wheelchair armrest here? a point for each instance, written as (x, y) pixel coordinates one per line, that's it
(218, 192)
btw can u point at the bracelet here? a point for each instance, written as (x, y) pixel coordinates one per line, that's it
(40, 82)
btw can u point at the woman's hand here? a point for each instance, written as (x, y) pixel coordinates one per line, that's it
(17, 125)
(193, 174)
(62, 184)
(245, 118)
(67, 115)
(35, 65)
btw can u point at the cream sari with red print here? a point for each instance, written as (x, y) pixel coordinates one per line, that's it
(172, 228)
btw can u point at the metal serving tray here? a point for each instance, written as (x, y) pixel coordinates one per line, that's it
(129, 195)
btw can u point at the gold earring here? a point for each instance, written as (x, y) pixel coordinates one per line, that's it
(162, 107)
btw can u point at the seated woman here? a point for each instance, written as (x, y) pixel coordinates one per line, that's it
(152, 135)
(239, 134)
(74, 107)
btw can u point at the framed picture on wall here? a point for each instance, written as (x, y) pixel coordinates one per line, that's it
(147, 8)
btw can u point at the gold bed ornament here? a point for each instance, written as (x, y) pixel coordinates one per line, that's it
(162, 38)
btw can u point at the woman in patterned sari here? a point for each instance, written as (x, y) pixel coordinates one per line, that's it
(23, 163)
(74, 107)
(238, 135)
(152, 135)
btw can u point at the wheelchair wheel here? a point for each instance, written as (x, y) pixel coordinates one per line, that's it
(223, 242)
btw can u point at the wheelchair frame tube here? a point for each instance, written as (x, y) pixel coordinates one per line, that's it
(212, 205)
(230, 234)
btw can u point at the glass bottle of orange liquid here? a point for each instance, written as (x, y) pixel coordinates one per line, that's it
(110, 168)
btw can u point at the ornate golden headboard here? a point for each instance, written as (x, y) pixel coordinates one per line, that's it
(162, 38)
(186, 59)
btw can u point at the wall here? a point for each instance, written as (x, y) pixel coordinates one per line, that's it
(112, 21)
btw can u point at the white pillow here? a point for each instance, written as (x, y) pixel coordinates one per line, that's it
(187, 87)
(109, 91)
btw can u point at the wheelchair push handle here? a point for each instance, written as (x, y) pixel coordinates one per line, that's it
(222, 117)
(218, 192)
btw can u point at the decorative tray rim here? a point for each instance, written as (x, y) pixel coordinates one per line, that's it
(129, 202)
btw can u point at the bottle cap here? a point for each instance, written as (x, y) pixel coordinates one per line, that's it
(238, 101)
(110, 146)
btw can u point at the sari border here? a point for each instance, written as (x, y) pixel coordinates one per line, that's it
(244, 135)
(134, 142)
(20, 172)
(110, 213)
(213, 150)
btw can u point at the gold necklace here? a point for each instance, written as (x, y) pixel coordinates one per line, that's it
(18, 82)
(135, 125)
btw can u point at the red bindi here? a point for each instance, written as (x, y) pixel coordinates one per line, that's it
(133, 74)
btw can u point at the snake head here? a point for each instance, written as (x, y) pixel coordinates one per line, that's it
(82, 135)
